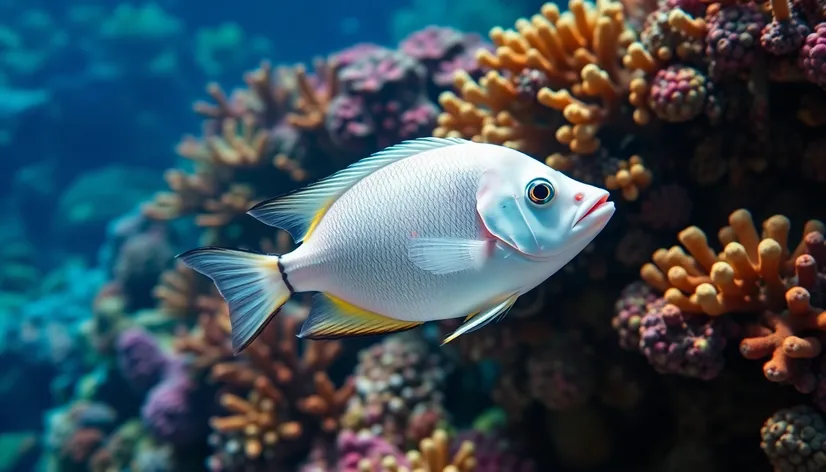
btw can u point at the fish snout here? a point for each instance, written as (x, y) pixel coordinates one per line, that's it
(593, 209)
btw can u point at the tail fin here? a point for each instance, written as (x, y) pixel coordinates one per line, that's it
(253, 285)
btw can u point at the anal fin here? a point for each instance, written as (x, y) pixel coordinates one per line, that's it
(334, 318)
(479, 320)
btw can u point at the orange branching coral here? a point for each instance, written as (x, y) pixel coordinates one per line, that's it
(778, 336)
(181, 290)
(288, 395)
(433, 455)
(631, 177)
(267, 91)
(491, 111)
(212, 193)
(256, 419)
(572, 60)
(255, 145)
(208, 345)
(754, 275)
(579, 52)
(749, 275)
(668, 34)
(312, 104)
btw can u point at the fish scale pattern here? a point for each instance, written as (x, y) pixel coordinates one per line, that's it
(413, 191)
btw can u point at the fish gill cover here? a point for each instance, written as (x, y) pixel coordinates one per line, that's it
(688, 336)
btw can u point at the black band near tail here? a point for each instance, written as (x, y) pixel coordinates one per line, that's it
(284, 277)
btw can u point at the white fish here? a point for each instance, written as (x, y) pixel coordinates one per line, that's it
(426, 230)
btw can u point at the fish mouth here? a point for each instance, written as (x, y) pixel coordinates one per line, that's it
(594, 207)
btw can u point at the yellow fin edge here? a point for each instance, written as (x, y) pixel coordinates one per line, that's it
(335, 318)
(317, 219)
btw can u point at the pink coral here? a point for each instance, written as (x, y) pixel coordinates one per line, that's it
(444, 51)
(813, 56)
(433, 43)
(382, 73)
(354, 53)
(357, 448)
(678, 93)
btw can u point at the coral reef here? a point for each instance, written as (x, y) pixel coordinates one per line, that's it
(698, 116)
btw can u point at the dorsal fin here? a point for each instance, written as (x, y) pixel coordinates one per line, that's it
(300, 211)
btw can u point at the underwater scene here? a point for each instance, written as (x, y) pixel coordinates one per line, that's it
(413, 236)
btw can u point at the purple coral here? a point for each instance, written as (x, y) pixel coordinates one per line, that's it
(354, 53)
(784, 37)
(692, 7)
(445, 51)
(561, 374)
(397, 124)
(688, 346)
(432, 44)
(349, 124)
(813, 56)
(357, 125)
(678, 94)
(493, 453)
(732, 38)
(168, 414)
(630, 308)
(382, 73)
(529, 82)
(140, 360)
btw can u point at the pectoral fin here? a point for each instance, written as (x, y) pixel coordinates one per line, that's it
(477, 321)
(448, 255)
(334, 318)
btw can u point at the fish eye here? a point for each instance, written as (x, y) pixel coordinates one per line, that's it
(540, 191)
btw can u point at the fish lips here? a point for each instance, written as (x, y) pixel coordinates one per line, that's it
(594, 212)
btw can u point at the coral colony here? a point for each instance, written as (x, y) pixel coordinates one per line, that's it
(688, 336)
